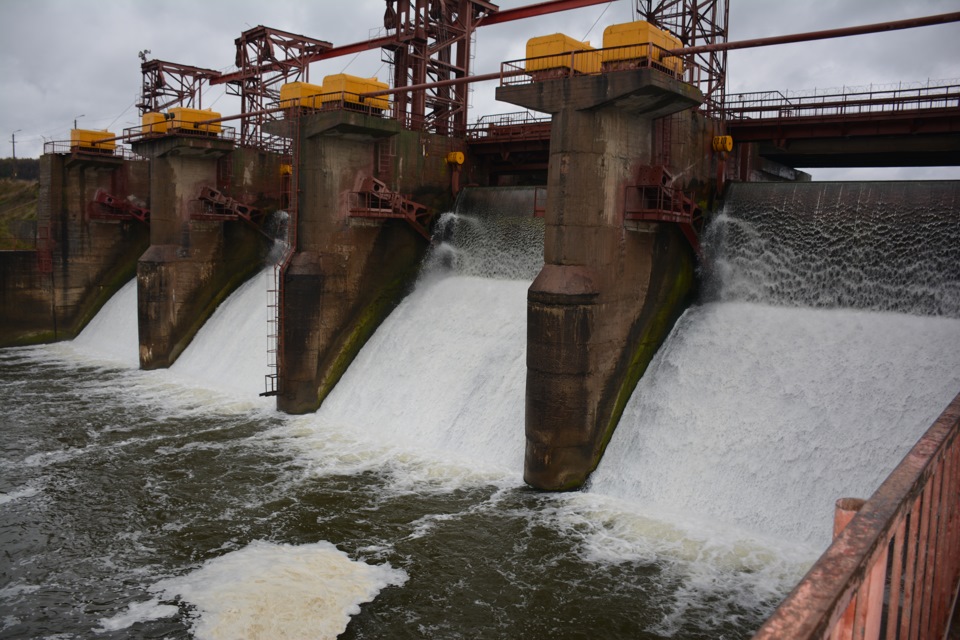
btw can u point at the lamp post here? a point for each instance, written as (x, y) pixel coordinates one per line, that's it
(75, 120)
(13, 145)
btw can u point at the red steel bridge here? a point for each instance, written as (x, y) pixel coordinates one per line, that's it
(859, 127)
(900, 126)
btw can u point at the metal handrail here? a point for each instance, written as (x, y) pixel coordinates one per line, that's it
(775, 105)
(511, 125)
(181, 129)
(71, 147)
(905, 540)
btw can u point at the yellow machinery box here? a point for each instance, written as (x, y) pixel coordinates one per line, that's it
(629, 41)
(300, 94)
(154, 123)
(90, 139)
(348, 88)
(553, 52)
(187, 119)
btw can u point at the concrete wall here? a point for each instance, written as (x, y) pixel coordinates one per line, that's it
(348, 274)
(91, 258)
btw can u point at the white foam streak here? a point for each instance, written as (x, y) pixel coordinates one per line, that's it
(137, 612)
(271, 591)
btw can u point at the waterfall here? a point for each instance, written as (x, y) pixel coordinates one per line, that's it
(230, 351)
(809, 372)
(112, 333)
(446, 371)
(886, 246)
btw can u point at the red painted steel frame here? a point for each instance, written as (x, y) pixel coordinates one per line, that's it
(543, 8)
(878, 27)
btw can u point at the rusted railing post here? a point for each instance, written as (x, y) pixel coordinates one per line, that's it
(866, 609)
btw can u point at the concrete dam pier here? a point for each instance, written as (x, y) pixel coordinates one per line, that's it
(82, 256)
(607, 296)
(196, 256)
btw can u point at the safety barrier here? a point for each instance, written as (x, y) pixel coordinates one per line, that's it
(893, 571)
(69, 147)
(520, 125)
(848, 101)
(180, 129)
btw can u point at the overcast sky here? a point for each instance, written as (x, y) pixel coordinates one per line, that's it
(67, 59)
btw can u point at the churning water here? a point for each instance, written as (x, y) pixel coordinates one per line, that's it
(175, 504)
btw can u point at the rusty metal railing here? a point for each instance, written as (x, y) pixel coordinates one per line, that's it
(520, 125)
(848, 101)
(904, 540)
(181, 129)
(71, 147)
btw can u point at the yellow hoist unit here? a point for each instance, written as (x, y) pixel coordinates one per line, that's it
(90, 139)
(300, 94)
(154, 123)
(347, 88)
(632, 40)
(546, 53)
(184, 119)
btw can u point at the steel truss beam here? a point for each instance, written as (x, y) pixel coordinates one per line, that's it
(266, 59)
(166, 84)
(696, 22)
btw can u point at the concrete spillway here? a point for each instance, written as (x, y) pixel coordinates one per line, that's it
(445, 372)
(826, 345)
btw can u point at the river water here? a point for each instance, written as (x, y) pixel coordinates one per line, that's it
(179, 504)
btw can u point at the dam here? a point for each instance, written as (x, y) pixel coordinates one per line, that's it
(338, 357)
(404, 491)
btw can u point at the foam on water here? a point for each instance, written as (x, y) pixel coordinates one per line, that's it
(137, 612)
(272, 591)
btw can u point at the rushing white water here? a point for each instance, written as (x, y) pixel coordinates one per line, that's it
(445, 372)
(761, 417)
(886, 246)
(720, 481)
(112, 334)
(230, 350)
